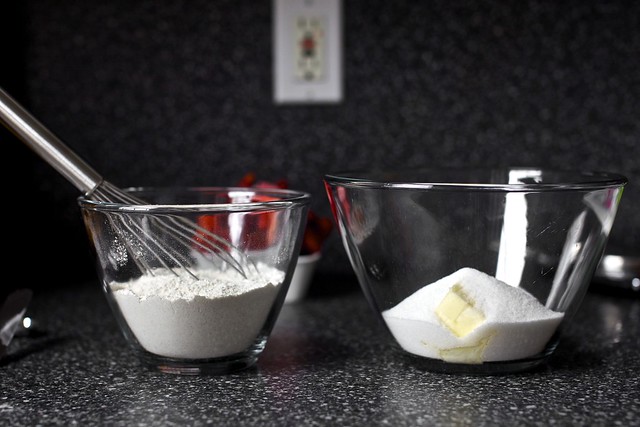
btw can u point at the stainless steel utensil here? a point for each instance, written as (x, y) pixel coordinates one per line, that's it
(619, 268)
(12, 310)
(136, 236)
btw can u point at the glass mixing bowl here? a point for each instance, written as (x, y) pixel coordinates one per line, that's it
(196, 277)
(474, 270)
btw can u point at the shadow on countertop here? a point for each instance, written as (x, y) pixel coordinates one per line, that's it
(327, 284)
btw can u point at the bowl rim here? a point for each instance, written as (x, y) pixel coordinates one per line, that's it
(373, 179)
(287, 198)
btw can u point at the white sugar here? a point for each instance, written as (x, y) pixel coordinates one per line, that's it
(516, 325)
(218, 315)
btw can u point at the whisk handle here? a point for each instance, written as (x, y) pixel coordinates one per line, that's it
(47, 145)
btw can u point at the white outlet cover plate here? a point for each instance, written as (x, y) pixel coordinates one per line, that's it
(288, 87)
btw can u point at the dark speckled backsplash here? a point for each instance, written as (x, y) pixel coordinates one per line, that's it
(180, 92)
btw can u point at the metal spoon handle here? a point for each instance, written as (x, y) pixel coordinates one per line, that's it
(48, 146)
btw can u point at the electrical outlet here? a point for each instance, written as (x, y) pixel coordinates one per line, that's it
(307, 46)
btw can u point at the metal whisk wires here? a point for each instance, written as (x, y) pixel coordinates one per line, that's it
(179, 236)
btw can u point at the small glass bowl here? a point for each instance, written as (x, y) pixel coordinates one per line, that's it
(475, 270)
(196, 277)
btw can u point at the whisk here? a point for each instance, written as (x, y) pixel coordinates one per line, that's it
(177, 232)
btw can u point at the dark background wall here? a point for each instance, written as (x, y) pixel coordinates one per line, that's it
(180, 92)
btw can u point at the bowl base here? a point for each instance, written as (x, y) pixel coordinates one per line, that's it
(217, 366)
(486, 368)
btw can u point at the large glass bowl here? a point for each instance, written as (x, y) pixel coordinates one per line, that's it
(475, 270)
(196, 277)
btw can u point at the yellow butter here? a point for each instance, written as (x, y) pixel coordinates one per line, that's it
(470, 354)
(458, 312)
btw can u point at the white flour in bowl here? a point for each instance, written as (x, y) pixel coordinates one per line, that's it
(218, 315)
(471, 317)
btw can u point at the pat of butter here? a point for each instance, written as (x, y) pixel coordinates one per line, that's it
(470, 354)
(458, 313)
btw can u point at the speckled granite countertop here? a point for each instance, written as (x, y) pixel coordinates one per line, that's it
(325, 364)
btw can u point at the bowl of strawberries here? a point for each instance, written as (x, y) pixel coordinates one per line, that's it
(316, 232)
